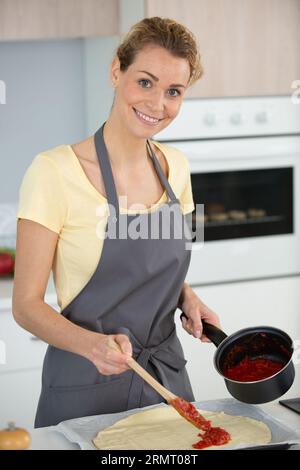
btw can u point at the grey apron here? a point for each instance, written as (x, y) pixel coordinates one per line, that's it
(134, 291)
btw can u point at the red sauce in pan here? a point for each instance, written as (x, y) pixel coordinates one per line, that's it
(251, 370)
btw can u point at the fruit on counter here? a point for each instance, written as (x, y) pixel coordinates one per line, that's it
(14, 438)
(7, 261)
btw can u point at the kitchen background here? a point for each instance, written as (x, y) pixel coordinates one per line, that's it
(240, 117)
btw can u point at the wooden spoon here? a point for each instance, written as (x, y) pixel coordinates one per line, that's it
(183, 407)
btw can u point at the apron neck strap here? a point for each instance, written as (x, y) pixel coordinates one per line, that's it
(108, 179)
(161, 174)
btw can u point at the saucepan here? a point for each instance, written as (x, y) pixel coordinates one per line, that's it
(263, 344)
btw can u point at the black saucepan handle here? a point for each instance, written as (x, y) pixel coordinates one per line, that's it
(212, 332)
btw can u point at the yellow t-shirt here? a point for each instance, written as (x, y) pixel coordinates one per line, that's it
(56, 193)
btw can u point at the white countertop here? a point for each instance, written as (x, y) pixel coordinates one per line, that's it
(50, 439)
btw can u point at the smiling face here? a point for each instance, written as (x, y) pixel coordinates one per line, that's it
(150, 92)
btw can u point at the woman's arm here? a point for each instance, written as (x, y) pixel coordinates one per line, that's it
(196, 311)
(36, 246)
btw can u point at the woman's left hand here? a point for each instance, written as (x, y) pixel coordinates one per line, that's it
(196, 311)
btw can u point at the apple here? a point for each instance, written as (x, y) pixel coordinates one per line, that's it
(7, 263)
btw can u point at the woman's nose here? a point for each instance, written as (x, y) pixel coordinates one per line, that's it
(156, 102)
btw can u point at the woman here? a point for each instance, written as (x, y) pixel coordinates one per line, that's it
(124, 288)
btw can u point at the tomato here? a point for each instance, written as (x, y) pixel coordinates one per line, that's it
(7, 263)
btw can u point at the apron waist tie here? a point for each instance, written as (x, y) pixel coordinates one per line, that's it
(158, 356)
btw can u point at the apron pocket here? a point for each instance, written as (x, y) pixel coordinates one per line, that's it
(86, 400)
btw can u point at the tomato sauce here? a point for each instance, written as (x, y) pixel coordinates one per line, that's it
(251, 370)
(212, 436)
(189, 412)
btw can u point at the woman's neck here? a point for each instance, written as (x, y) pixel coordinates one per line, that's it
(124, 149)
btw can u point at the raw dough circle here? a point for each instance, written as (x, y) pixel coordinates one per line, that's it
(163, 429)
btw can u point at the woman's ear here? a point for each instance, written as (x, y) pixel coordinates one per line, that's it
(115, 71)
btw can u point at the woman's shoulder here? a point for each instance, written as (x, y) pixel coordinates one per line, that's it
(174, 155)
(51, 164)
(47, 167)
(42, 195)
(177, 161)
(57, 156)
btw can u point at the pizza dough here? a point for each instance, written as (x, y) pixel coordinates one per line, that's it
(163, 429)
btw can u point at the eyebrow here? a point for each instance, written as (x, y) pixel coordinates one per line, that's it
(157, 79)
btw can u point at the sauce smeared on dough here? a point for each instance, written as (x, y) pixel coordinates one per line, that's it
(212, 436)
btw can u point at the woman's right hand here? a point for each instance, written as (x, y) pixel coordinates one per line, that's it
(107, 360)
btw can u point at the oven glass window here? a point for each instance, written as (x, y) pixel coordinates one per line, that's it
(239, 204)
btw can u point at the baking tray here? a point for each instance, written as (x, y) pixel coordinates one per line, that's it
(81, 431)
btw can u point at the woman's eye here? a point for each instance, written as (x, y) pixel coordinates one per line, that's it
(144, 83)
(174, 92)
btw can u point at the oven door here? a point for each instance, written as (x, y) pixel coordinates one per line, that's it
(250, 192)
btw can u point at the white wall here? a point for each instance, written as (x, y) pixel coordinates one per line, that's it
(98, 53)
(44, 103)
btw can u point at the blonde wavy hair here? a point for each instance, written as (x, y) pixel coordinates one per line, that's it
(164, 32)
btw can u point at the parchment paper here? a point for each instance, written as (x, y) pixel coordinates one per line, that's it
(82, 430)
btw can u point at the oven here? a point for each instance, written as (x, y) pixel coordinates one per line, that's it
(244, 156)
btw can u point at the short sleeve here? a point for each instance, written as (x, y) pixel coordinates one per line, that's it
(41, 195)
(186, 198)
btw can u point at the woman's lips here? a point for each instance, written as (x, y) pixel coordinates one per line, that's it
(145, 119)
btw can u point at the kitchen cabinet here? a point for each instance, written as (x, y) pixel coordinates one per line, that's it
(20, 372)
(248, 48)
(273, 302)
(45, 19)
(19, 397)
